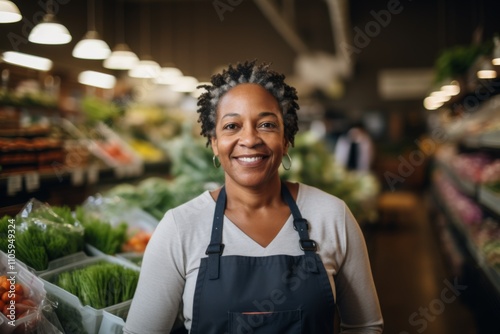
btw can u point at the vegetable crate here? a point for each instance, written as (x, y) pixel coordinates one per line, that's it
(111, 323)
(76, 316)
(33, 290)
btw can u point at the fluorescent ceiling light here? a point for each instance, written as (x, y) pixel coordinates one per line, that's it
(168, 76)
(146, 69)
(122, 58)
(91, 47)
(9, 12)
(26, 60)
(97, 79)
(50, 32)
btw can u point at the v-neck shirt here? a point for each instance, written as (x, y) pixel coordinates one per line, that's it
(171, 261)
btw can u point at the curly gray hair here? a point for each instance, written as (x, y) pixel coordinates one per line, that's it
(248, 72)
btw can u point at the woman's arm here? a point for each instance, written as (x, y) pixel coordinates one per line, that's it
(158, 296)
(357, 298)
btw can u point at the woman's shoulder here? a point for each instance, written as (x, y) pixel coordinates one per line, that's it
(310, 195)
(196, 205)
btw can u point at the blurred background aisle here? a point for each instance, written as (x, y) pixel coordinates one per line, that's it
(399, 117)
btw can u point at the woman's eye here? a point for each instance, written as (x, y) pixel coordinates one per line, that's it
(268, 125)
(230, 126)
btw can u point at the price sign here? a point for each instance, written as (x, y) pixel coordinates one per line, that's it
(14, 184)
(32, 181)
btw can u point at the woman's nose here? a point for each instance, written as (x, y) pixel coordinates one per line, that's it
(250, 137)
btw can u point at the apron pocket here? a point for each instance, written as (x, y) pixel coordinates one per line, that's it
(283, 322)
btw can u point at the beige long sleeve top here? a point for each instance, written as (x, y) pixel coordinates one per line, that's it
(170, 265)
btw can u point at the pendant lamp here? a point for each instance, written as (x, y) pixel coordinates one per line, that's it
(146, 68)
(169, 75)
(49, 31)
(9, 12)
(122, 58)
(91, 46)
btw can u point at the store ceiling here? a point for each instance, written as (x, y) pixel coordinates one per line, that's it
(190, 33)
(198, 38)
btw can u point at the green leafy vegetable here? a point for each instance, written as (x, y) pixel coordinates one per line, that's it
(101, 234)
(100, 285)
(43, 234)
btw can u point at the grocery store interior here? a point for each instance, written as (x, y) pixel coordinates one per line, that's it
(399, 117)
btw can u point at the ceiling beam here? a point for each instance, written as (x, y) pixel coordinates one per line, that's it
(280, 23)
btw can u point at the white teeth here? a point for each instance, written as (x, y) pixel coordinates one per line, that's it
(250, 159)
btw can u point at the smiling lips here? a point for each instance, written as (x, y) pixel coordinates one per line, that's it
(250, 159)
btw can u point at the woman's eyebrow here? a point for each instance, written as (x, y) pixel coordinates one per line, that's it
(230, 115)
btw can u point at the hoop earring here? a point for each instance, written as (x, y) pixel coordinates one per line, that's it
(215, 161)
(288, 164)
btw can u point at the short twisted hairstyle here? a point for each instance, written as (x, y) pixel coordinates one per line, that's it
(248, 72)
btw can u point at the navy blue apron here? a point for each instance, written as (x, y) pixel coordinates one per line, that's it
(279, 294)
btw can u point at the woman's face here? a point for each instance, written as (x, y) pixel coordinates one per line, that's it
(249, 135)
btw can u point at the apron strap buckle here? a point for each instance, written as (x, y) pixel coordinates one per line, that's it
(308, 245)
(300, 224)
(214, 249)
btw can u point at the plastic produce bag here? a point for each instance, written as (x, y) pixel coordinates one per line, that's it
(113, 226)
(25, 307)
(42, 234)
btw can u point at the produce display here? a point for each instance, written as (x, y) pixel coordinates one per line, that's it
(136, 242)
(483, 231)
(100, 284)
(312, 164)
(20, 296)
(156, 195)
(462, 207)
(43, 234)
(101, 234)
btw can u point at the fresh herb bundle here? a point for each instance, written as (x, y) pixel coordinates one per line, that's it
(43, 235)
(101, 234)
(100, 285)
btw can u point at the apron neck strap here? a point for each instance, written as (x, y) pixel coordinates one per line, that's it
(302, 227)
(216, 247)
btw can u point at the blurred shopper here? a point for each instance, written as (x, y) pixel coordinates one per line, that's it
(354, 149)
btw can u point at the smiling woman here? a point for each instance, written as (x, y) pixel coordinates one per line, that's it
(282, 257)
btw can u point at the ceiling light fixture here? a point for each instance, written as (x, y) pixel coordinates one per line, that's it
(122, 58)
(91, 46)
(26, 60)
(9, 12)
(186, 84)
(49, 31)
(168, 76)
(97, 79)
(486, 70)
(146, 68)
